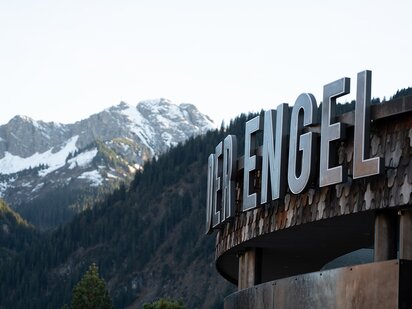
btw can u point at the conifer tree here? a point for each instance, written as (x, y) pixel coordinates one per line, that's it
(91, 292)
(164, 303)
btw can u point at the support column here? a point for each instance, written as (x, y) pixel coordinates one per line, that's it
(249, 268)
(385, 236)
(405, 235)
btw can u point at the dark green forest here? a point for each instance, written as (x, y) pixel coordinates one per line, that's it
(16, 235)
(146, 238)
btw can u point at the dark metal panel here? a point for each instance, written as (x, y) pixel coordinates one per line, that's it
(375, 285)
(405, 235)
(240, 300)
(260, 296)
(405, 284)
(302, 248)
(385, 235)
(391, 108)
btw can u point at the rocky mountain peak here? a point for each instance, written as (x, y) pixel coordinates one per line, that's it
(21, 118)
(23, 136)
(156, 103)
(106, 147)
(119, 107)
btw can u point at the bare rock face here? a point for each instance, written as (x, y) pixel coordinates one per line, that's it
(24, 136)
(107, 147)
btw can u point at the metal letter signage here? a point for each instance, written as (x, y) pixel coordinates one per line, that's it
(217, 197)
(329, 175)
(209, 198)
(274, 153)
(362, 166)
(252, 127)
(229, 170)
(301, 160)
(290, 162)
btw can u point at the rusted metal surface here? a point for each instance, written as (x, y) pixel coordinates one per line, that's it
(405, 235)
(249, 268)
(390, 138)
(376, 285)
(385, 236)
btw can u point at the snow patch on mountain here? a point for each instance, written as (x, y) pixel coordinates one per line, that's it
(58, 159)
(26, 184)
(38, 187)
(83, 159)
(93, 176)
(111, 176)
(12, 164)
(138, 125)
(168, 139)
(3, 187)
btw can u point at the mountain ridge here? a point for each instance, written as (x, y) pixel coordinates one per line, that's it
(154, 110)
(100, 151)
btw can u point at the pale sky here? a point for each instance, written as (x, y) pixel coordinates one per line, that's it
(64, 60)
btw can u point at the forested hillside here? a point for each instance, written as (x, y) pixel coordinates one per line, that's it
(147, 239)
(16, 234)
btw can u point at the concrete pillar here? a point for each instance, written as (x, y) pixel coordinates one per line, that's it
(405, 235)
(249, 268)
(385, 236)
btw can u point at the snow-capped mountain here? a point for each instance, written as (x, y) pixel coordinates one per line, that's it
(37, 157)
